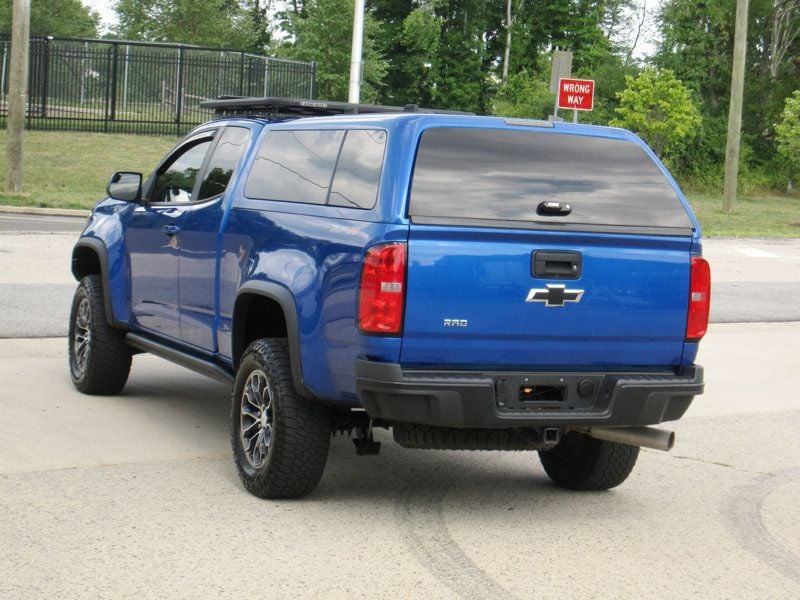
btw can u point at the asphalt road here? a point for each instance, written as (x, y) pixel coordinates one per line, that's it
(136, 496)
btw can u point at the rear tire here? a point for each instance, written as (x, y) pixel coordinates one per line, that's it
(580, 462)
(99, 358)
(280, 440)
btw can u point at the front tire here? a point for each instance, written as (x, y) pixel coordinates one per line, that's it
(280, 440)
(580, 462)
(99, 358)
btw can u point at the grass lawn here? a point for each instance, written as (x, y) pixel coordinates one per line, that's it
(70, 170)
(753, 216)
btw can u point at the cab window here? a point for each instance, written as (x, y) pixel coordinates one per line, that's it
(175, 181)
(223, 162)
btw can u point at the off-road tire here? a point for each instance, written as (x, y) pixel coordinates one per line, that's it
(580, 462)
(99, 358)
(299, 432)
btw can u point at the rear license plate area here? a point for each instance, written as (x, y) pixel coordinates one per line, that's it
(549, 392)
(542, 393)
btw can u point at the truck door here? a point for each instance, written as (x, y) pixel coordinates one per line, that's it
(153, 237)
(199, 237)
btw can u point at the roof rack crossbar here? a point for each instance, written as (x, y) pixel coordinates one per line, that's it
(283, 108)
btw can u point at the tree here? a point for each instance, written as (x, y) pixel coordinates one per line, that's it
(322, 32)
(659, 108)
(214, 23)
(785, 30)
(471, 38)
(420, 42)
(440, 53)
(64, 18)
(788, 134)
(511, 16)
(525, 95)
(697, 45)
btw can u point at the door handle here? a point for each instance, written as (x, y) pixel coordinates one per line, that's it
(170, 229)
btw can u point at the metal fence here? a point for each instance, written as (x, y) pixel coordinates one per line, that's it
(137, 87)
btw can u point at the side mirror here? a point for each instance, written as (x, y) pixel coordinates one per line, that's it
(125, 186)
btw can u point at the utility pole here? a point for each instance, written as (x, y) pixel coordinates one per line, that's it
(354, 94)
(17, 94)
(735, 110)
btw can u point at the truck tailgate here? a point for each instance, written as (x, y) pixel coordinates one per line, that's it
(474, 300)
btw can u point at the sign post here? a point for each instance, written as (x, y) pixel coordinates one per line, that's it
(561, 68)
(575, 94)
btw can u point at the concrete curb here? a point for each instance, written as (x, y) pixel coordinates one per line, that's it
(52, 212)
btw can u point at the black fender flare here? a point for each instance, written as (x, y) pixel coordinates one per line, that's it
(283, 297)
(99, 248)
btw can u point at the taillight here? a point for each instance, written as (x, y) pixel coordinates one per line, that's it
(382, 294)
(699, 299)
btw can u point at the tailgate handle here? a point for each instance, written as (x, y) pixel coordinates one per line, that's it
(556, 265)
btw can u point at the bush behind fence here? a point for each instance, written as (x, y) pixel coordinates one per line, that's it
(137, 87)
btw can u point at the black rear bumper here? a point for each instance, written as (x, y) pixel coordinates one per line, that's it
(495, 400)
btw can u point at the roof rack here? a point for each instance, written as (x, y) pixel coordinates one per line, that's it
(292, 108)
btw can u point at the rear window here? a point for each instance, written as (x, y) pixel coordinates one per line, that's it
(495, 175)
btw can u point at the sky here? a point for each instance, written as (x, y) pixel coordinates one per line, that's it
(105, 9)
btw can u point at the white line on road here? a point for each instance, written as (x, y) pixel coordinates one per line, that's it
(37, 219)
(756, 253)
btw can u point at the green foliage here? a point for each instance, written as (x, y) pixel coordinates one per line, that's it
(322, 32)
(660, 109)
(461, 81)
(65, 18)
(698, 46)
(700, 163)
(525, 96)
(467, 54)
(214, 23)
(788, 134)
(420, 39)
(609, 76)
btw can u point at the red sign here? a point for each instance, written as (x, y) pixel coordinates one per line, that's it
(576, 93)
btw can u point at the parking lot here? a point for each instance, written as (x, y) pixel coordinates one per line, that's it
(137, 496)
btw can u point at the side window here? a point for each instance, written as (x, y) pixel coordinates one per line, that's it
(358, 171)
(175, 182)
(223, 162)
(294, 166)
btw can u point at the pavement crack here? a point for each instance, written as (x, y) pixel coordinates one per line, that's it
(710, 462)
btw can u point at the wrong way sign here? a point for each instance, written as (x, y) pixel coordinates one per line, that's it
(577, 94)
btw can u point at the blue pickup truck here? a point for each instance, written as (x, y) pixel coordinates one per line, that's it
(470, 282)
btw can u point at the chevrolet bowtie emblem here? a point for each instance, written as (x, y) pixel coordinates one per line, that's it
(554, 295)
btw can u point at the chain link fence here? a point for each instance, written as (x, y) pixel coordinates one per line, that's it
(137, 87)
